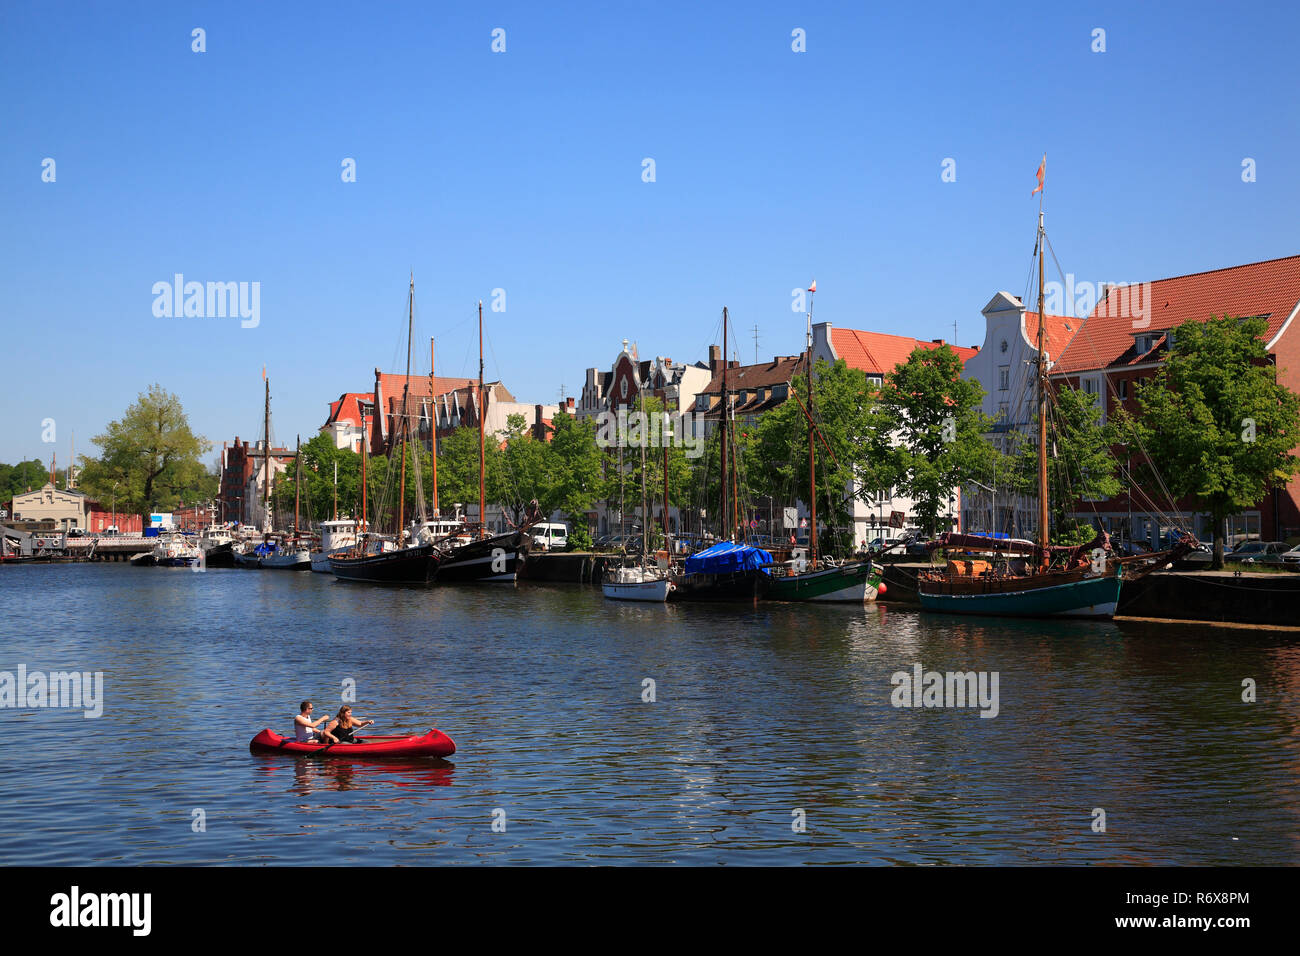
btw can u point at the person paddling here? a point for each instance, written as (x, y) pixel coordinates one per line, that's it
(342, 726)
(304, 728)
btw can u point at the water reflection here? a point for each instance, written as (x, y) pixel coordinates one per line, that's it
(758, 711)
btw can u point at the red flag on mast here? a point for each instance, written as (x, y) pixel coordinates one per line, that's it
(813, 287)
(1042, 170)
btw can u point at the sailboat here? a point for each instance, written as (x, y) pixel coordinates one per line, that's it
(409, 561)
(1067, 581)
(727, 570)
(641, 582)
(293, 554)
(337, 534)
(825, 580)
(254, 555)
(485, 558)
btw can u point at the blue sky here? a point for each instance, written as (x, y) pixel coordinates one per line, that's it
(522, 171)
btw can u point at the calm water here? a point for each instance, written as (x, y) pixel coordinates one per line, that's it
(758, 712)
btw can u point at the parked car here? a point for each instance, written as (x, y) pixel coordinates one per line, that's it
(920, 546)
(1291, 559)
(1259, 552)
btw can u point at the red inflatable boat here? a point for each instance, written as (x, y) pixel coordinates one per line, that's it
(433, 744)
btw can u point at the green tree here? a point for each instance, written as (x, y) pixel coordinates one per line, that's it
(842, 407)
(656, 435)
(458, 469)
(927, 431)
(527, 471)
(1080, 461)
(745, 478)
(22, 477)
(1218, 425)
(151, 455)
(579, 474)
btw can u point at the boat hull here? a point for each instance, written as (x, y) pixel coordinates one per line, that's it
(433, 744)
(293, 561)
(653, 591)
(411, 566)
(495, 560)
(747, 586)
(1087, 597)
(219, 556)
(848, 584)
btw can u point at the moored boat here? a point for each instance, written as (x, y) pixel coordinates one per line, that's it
(432, 744)
(724, 572)
(637, 584)
(335, 536)
(853, 582)
(416, 565)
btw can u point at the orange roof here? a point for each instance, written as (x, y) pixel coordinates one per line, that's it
(879, 354)
(1270, 288)
(348, 407)
(1060, 330)
(391, 387)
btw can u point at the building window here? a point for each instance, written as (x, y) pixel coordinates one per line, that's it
(1004, 411)
(1004, 377)
(1122, 388)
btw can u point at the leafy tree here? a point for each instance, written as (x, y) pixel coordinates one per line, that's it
(22, 477)
(152, 456)
(527, 471)
(579, 474)
(458, 469)
(704, 486)
(655, 438)
(1080, 461)
(927, 431)
(842, 404)
(1217, 424)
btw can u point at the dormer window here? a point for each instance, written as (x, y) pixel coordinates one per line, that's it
(1142, 343)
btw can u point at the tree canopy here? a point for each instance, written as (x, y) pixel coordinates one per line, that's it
(1217, 424)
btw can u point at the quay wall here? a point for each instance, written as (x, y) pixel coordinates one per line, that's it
(1218, 596)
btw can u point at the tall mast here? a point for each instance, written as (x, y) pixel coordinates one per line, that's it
(336, 490)
(645, 520)
(365, 510)
(297, 484)
(266, 454)
(667, 543)
(726, 491)
(482, 413)
(433, 427)
(1043, 538)
(812, 453)
(403, 422)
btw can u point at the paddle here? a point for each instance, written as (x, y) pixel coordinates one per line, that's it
(321, 750)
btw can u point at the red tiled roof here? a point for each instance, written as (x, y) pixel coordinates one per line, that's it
(879, 354)
(348, 407)
(779, 371)
(391, 387)
(1270, 288)
(1060, 330)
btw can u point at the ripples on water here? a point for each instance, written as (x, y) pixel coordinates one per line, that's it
(759, 711)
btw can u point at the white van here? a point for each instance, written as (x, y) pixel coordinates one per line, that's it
(550, 537)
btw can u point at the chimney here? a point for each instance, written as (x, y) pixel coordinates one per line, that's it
(937, 341)
(715, 358)
(569, 403)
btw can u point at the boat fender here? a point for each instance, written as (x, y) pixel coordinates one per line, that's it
(880, 588)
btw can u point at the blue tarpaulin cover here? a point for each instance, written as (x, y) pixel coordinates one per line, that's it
(725, 558)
